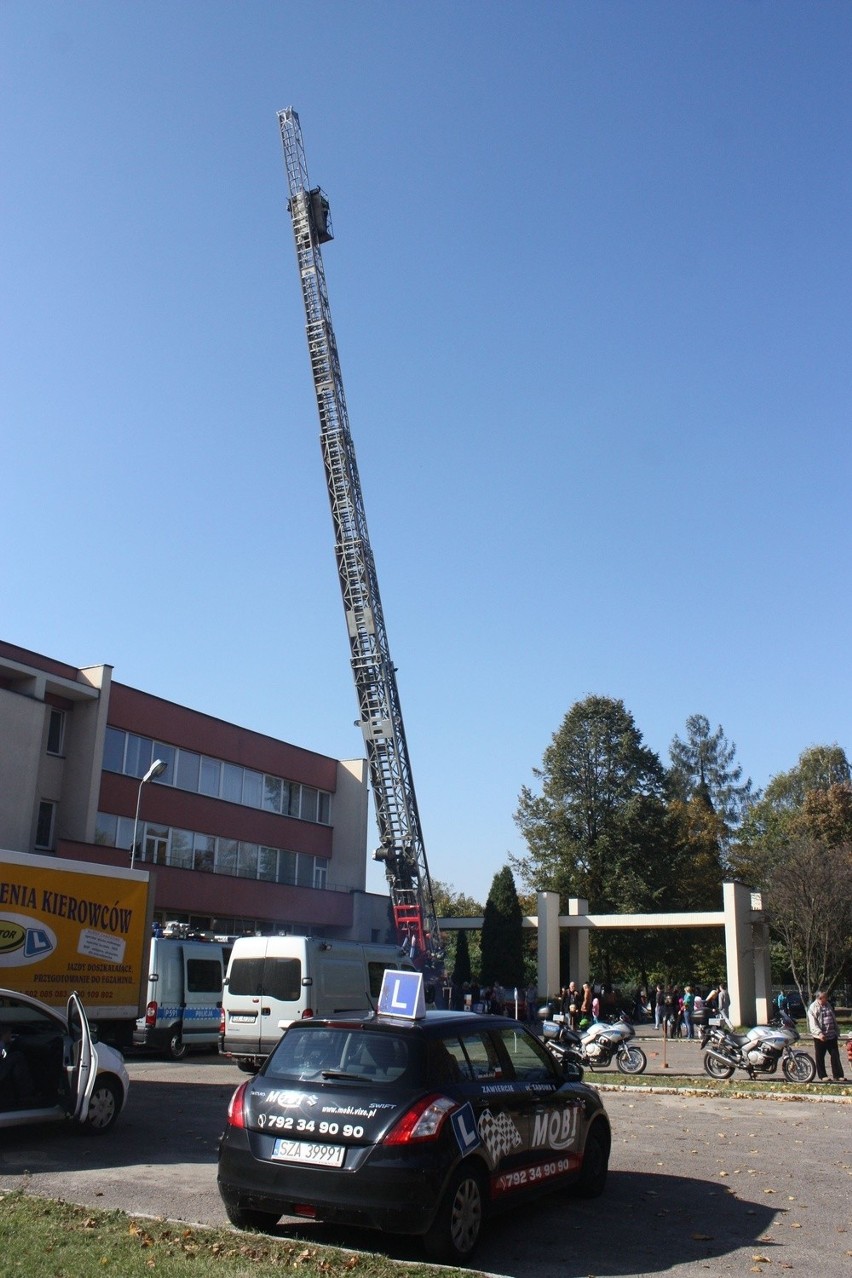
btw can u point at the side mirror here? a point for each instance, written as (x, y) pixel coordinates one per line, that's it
(572, 1070)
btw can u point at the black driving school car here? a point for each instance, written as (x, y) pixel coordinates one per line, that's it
(413, 1126)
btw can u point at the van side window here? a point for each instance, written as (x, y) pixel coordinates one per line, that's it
(203, 976)
(376, 971)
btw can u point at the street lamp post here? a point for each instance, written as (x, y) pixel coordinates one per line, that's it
(156, 769)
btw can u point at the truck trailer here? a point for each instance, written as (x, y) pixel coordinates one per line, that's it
(76, 927)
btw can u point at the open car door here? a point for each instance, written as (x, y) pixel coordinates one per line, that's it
(83, 1065)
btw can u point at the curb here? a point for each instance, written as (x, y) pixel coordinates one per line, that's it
(733, 1094)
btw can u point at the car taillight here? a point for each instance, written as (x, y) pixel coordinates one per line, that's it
(422, 1122)
(236, 1109)
(307, 1013)
(151, 1016)
(222, 1021)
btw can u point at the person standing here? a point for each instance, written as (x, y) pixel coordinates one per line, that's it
(723, 1001)
(659, 1007)
(586, 1004)
(571, 1004)
(688, 1002)
(531, 998)
(823, 1027)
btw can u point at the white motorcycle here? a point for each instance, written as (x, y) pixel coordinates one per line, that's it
(597, 1046)
(757, 1052)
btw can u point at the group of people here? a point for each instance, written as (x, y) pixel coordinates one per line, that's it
(677, 1011)
(495, 999)
(583, 1005)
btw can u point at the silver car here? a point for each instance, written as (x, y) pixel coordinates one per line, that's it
(51, 1070)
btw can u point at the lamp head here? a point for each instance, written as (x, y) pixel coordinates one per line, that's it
(156, 769)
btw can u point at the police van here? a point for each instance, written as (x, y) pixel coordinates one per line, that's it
(184, 996)
(274, 980)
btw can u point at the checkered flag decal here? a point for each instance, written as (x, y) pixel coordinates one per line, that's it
(499, 1135)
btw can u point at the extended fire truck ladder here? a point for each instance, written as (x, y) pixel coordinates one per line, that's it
(401, 838)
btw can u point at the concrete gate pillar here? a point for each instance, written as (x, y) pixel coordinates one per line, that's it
(578, 943)
(747, 946)
(548, 944)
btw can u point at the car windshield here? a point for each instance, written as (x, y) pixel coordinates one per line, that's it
(335, 1052)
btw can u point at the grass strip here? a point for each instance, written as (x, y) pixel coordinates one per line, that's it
(741, 1085)
(43, 1238)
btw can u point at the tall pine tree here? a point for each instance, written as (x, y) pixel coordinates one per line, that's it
(502, 933)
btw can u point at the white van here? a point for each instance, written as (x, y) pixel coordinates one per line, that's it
(273, 980)
(184, 997)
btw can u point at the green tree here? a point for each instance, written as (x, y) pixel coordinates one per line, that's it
(599, 826)
(502, 933)
(805, 802)
(596, 828)
(703, 767)
(794, 844)
(456, 905)
(461, 969)
(810, 909)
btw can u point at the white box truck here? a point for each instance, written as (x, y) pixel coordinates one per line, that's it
(274, 980)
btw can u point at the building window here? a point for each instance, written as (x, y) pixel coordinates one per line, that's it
(132, 755)
(106, 830)
(309, 804)
(55, 732)
(287, 867)
(139, 755)
(189, 766)
(44, 825)
(189, 850)
(181, 851)
(205, 853)
(157, 844)
(272, 791)
(114, 750)
(252, 789)
(211, 770)
(247, 861)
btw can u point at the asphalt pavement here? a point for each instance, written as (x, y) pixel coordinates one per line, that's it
(700, 1186)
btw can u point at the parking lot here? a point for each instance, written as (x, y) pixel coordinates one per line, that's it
(698, 1185)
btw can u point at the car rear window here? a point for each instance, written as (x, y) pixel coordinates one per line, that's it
(311, 1053)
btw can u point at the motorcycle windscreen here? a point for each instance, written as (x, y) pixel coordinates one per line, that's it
(81, 1078)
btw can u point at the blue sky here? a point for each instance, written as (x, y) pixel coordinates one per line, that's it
(590, 286)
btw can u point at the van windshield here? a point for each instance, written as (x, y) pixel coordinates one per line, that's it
(308, 1053)
(279, 978)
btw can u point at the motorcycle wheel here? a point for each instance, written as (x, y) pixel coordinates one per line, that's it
(632, 1060)
(798, 1067)
(715, 1068)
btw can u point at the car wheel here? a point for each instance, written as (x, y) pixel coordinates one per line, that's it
(104, 1104)
(248, 1067)
(595, 1166)
(799, 1068)
(458, 1221)
(177, 1047)
(632, 1060)
(715, 1068)
(249, 1218)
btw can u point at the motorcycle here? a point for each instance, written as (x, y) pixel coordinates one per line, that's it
(597, 1046)
(757, 1052)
